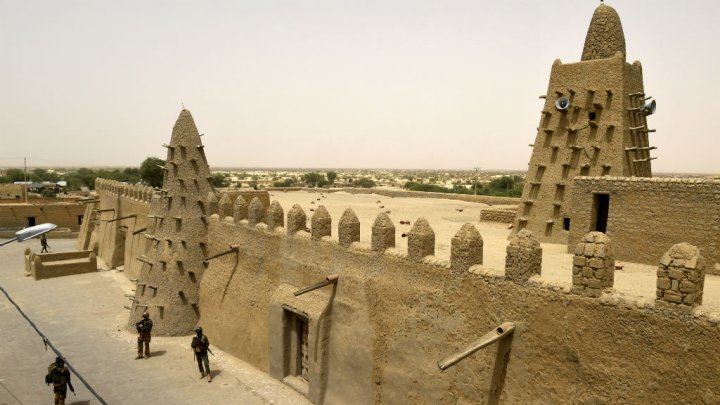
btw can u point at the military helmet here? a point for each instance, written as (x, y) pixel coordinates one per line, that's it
(146, 315)
(59, 360)
(198, 329)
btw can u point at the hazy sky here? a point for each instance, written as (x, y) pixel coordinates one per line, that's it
(300, 83)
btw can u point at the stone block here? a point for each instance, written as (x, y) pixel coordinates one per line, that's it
(579, 261)
(596, 263)
(601, 273)
(688, 287)
(580, 248)
(693, 276)
(663, 283)
(674, 285)
(659, 293)
(665, 260)
(587, 272)
(600, 251)
(589, 250)
(577, 269)
(671, 296)
(577, 279)
(594, 283)
(662, 272)
(675, 273)
(689, 299)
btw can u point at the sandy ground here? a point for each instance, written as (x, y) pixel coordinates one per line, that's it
(635, 280)
(83, 317)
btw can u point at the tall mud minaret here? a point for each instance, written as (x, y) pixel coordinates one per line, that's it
(177, 235)
(593, 123)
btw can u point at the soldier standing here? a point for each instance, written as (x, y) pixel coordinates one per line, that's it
(201, 346)
(59, 377)
(144, 327)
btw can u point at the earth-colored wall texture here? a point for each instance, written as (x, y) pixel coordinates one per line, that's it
(376, 336)
(506, 215)
(114, 228)
(173, 265)
(483, 199)
(646, 216)
(602, 132)
(12, 192)
(62, 214)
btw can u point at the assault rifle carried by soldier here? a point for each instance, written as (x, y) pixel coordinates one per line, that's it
(201, 347)
(59, 376)
(144, 327)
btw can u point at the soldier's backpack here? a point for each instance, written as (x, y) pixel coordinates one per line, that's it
(48, 379)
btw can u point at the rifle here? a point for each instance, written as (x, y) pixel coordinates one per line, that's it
(71, 388)
(210, 351)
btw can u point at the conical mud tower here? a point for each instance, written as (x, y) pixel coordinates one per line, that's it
(593, 123)
(177, 236)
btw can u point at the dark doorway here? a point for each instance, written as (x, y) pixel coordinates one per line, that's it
(601, 205)
(30, 221)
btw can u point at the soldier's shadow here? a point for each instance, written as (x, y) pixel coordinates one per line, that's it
(79, 403)
(214, 373)
(157, 353)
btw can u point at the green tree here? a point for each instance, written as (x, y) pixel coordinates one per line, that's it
(219, 180)
(314, 179)
(331, 176)
(150, 171)
(363, 182)
(79, 178)
(14, 175)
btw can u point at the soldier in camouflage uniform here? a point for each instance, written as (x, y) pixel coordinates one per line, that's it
(144, 327)
(59, 376)
(201, 346)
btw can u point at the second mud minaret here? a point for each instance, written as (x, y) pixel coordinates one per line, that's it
(177, 236)
(593, 123)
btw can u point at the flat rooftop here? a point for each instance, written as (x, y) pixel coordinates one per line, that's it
(447, 216)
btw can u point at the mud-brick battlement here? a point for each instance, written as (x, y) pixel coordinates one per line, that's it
(644, 217)
(393, 314)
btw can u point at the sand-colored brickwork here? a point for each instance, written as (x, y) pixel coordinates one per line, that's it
(600, 131)
(646, 216)
(177, 230)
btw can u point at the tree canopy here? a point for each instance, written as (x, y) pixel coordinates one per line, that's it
(151, 171)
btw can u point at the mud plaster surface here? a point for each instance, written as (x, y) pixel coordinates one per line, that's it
(638, 280)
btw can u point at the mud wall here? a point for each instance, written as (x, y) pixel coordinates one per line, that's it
(506, 215)
(484, 199)
(646, 216)
(377, 335)
(115, 228)
(64, 215)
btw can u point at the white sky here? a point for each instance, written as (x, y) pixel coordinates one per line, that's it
(320, 83)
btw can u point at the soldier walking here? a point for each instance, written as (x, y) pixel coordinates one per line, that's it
(201, 346)
(59, 376)
(144, 327)
(44, 244)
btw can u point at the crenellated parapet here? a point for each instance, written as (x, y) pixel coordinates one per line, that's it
(524, 257)
(681, 276)
(320, 224)
(225, 206)
(383, 233)
(593, 265)
(421, 240)
(348, 228)
(385, 300)
(275, 216)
